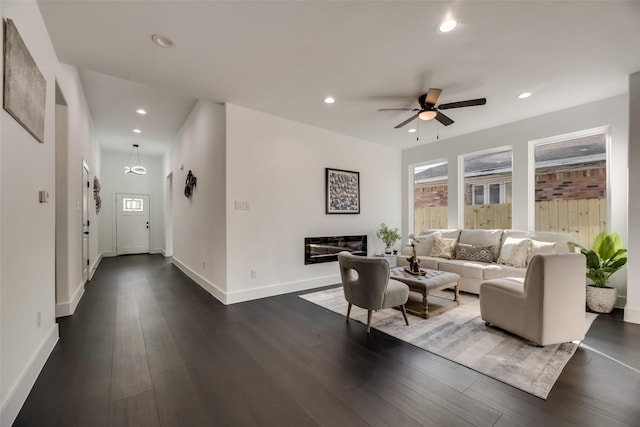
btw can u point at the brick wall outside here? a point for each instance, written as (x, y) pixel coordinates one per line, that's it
(431, 194)
(581, 184)
(576, 184)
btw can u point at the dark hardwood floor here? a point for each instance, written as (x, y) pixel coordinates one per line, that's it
(148, 347)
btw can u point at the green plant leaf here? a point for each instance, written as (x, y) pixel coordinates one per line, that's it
(606, 249)
(593, 261)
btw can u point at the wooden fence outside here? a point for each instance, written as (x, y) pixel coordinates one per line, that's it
(583, 218)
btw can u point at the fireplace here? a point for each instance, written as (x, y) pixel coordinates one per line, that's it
(326, 249)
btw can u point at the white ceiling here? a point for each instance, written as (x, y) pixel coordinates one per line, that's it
(284, 57)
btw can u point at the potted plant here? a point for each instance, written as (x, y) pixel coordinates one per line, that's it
(606, 257)
(388, 236)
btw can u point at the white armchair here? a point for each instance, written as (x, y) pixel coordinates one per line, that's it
(546, 307)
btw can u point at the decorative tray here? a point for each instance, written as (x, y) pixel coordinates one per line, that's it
(422, 272)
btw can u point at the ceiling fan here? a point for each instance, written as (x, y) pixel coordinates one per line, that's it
(428, 109)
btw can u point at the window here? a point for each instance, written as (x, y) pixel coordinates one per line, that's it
(570, 191)
(430, 196)
(487, 185)
(132, 205)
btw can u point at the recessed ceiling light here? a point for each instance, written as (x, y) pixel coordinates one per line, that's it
(412, 130)
(448, 25)
(329, 100)
(141, 111)
(583, 149)
(163, 41)
(137, 131)
(524, 95)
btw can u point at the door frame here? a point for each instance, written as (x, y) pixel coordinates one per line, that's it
(86, 222)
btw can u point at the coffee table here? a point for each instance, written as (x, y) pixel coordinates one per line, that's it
(433, 280)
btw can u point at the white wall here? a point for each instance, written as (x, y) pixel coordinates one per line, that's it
(199, 222)
(278, 166)
(27, 265)
(611, 112)
(632, 310)
(113, 180)
(75, 146)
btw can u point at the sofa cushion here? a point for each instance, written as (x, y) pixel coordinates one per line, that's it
(428, 262)
(479, 253)
(470, 269)
(497, 271)
(449, 233)
(484, 238)
(562, 240)
(515, 252)
(443, 248)
(538, 247)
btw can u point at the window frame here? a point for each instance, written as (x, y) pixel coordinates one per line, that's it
(531, 178)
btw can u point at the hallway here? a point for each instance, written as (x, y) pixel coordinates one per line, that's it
(149, 347)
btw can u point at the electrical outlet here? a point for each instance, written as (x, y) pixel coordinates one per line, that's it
(38, 319)
(254, 274)
(203, 265)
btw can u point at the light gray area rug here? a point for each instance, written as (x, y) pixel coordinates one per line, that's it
(461, 336)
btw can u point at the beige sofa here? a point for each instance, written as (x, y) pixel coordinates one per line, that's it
(500, 242)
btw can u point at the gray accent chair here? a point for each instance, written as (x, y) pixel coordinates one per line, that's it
(546, 307)
(366, 283)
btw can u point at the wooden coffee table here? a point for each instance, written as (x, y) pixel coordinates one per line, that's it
(433, 280)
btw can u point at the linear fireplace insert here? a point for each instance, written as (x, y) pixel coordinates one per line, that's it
(326, 249)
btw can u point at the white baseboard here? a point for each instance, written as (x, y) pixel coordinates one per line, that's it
(68, 308)
(95, 265)
(280, 288)
(632, 314)
(218, 293)
(621, 301)
(20, 390)
(157, 251)
(107, 254)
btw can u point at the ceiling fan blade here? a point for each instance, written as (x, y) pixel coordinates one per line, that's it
(445, 120)
(432, 96)
(398, 109)
(469, 103)
(410, 119)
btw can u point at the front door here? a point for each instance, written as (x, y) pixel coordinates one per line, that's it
(132, 223)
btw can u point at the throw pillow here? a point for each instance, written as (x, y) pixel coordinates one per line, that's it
(538, 247)
(442, 247)
(426, 243)
(515, 252)
(475, 252)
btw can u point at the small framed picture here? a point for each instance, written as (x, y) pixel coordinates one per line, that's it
(342, 191)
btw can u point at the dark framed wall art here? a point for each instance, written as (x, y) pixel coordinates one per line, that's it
(25, 88)
(342, 191)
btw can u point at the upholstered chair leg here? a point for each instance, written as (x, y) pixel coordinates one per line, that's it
(404, 314)
(369, 320)
(349, 311)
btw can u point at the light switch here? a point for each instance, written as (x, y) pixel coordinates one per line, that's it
(43, 196)
(241, 205)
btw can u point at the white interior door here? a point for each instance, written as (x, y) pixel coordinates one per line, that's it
(85, 221)
(132, 223)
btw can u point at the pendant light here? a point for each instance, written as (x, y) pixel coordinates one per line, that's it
(139, 169)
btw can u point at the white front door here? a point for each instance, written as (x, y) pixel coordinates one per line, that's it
(85, 221)
(132, 223)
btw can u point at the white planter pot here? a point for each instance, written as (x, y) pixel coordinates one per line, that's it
(601, 300)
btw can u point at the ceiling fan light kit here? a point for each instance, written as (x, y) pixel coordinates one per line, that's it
(427, 114)
(428, 109)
